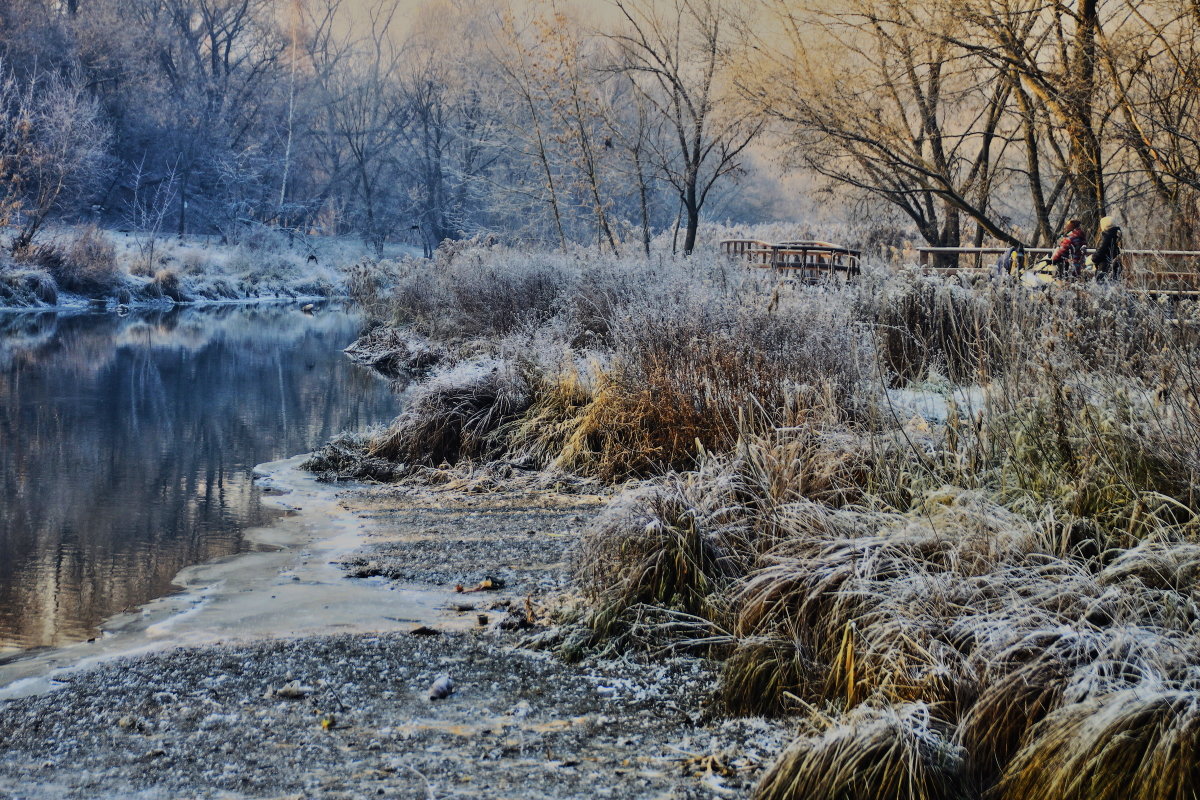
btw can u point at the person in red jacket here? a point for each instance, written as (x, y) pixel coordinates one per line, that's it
(1071, 250)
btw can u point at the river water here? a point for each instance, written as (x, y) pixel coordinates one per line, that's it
(127, 444)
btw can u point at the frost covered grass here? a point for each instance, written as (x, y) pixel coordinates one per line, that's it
(607, 368)
(998, 595)
(127, 267)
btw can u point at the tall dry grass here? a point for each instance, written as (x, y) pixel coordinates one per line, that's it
(631, 369)
(952, 528)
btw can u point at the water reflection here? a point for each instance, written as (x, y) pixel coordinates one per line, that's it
(126, 446)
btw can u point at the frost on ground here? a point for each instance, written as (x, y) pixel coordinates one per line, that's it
(211, 723)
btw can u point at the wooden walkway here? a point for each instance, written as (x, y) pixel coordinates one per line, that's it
(1159, 272)
(1171, 272)
(809, 261)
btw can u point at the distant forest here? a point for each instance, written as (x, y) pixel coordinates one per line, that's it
(959, 121)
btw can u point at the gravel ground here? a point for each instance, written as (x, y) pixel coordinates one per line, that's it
(449, 538)
(212, 723)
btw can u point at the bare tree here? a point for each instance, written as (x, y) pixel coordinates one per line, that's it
(678, 56)
(872, 96)
(575, 105)
(1154, 69)
(525, 75)
(153, 196)
(52, 148)
(363, 115)
(1050, 51)
(455, 136)
(633, 131)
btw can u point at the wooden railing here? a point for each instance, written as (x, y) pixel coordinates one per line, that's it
(1157, 271)
(1154, 271)
(927, 255)
(811, 261)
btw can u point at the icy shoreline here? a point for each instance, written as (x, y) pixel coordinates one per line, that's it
(289, 585)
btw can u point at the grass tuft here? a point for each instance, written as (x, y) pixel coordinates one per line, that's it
(455, 415)
(1137, 743)
(665, 547)
(896, 753)
(85, 263)
(768, 677)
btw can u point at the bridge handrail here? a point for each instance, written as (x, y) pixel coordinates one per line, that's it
(923, 253)
(809, 258)
(739, 246)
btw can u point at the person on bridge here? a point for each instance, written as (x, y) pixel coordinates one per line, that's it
(1107, 257)
(1071, 250)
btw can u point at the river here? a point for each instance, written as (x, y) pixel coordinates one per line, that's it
(127, 444)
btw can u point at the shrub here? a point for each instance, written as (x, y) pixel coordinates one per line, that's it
(346, 458)
(925, 324)
(86, 263)
(393, 353)
(167, 283)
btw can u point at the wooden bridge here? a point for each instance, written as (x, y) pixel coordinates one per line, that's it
(1165, 272)
(810, 261)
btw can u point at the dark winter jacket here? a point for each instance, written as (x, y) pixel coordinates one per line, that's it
(1109, 248)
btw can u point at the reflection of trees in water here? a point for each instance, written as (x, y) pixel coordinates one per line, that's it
(126, 446)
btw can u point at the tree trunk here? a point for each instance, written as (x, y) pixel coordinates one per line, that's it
(645, 203)
(692, 208)
(950, 236)
(1087, 160)
(183, 186)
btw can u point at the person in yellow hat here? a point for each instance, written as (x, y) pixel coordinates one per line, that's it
(1107, 258)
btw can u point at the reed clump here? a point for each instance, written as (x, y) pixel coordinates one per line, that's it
(925, 324)
(626, 382)
(1133, 743)
(675, 545)
(455, 416)
(768, 677)
(83, 262)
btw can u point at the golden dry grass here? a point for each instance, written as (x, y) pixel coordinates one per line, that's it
(1135, 744)
(871, 753)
